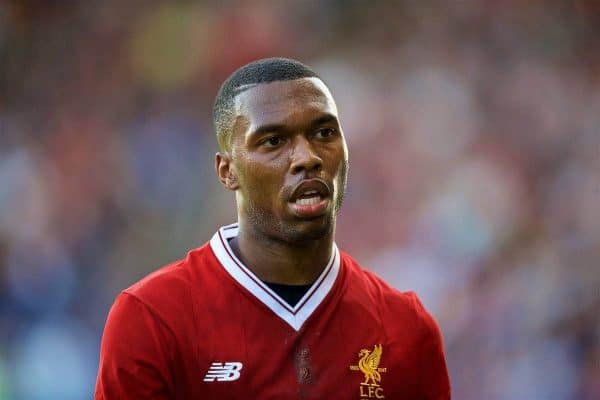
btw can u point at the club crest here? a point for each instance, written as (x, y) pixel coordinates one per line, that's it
(368, 364)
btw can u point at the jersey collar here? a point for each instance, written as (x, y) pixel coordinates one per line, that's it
(294, 316)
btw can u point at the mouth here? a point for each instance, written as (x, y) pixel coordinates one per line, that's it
(310, 199)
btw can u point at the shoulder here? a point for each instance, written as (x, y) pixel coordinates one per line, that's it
(168, 290)
(406, 323)
(405, 307)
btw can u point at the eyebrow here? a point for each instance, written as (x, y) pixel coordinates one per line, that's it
(323, 119)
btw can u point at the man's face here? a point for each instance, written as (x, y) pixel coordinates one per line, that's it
(289, 159)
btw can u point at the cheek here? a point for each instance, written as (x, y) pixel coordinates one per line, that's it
(340, 168)
(341, 175)
(338, 160)
(261, 180)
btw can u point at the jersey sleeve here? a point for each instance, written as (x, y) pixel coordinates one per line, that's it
(434, 382)
(134, 354)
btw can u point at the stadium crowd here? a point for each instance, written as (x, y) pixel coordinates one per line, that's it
(474, 136)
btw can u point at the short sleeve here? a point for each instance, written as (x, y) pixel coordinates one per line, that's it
(434, 381)
(134, 354)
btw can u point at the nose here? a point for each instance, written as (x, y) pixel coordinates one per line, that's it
(304, 158)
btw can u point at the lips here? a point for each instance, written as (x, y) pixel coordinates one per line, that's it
(310, 198)
(310, 187)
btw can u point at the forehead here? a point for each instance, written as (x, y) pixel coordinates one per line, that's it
(281, 102)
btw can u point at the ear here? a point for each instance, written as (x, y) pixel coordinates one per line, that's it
(225, 171)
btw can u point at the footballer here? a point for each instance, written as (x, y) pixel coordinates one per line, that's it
(270, 308)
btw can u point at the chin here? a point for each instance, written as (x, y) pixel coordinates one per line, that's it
(292, 231)
(308, 231)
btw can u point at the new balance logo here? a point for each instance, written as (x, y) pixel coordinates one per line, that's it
(230, 371)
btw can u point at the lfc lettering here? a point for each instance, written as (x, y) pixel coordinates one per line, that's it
(371, 392)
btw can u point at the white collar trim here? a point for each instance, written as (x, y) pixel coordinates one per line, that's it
(294, 316)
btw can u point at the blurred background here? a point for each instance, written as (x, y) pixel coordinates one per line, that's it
(473, 129)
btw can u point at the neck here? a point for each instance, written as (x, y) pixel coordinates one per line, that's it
(280, 262)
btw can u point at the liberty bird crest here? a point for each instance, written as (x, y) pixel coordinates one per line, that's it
(368, 364)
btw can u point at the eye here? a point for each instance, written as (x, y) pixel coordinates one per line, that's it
(324, 133)
(272, 141)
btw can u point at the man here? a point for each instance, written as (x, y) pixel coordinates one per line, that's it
(270, 308)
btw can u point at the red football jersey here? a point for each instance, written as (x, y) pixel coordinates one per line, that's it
(207, 328)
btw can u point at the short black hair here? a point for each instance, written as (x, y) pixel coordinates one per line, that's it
(260, 71)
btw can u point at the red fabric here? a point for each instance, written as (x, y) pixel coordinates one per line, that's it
(163, 334)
